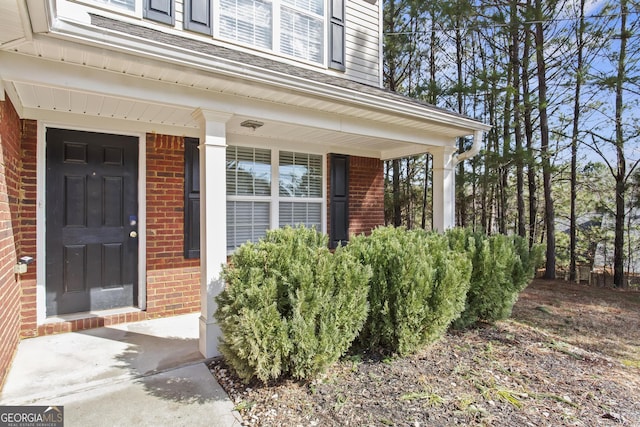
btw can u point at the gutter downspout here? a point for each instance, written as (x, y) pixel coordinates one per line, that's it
(474, 150)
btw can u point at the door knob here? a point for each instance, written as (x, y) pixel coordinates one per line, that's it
(133, 234)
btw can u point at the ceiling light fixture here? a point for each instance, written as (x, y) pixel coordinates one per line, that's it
(253, 124)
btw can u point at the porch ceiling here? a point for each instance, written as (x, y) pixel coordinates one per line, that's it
(40, 102)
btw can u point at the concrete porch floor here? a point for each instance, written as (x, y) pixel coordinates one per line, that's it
(132, 374)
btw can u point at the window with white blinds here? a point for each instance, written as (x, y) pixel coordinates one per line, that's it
(300, 174)
(120, 4)
(257, 200)
(248, 194)
(246, 222)
(291, 27)
(308, 214)
(300, 189)
(248, 171)
(302, 31)
(247, 21)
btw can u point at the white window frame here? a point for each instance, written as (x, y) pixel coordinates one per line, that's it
(278, 198)
(137, 7)
(275, 198)
(276, 18)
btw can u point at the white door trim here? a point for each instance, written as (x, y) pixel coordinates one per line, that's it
(41, 169)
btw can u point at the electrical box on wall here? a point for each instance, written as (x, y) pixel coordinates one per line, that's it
(21, 266)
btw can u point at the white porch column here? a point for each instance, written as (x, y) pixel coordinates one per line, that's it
(213, 222)
(444, 186)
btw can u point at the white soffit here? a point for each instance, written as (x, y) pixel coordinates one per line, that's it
(64, 100)
(49, 103)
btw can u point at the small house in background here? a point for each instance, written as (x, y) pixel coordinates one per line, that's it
(602, 272)
(142, 141)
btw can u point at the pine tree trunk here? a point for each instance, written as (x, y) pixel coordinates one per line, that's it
(504, 167)
(528, 131)
(461, 201)
(549, 212)
(574, 147)
(515, 65)
(618, 245)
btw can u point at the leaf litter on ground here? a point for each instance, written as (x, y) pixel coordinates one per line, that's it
(569, 355)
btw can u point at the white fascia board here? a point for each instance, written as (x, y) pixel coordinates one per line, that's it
(408, 151)
(10, 89)
(87, 33)
(27, 69)
(354, 151)
(314, 147)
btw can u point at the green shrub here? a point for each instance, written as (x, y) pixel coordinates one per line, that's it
(290, 306)
(418, 287)
(502, 267)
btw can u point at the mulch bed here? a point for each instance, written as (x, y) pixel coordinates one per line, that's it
(570, 356)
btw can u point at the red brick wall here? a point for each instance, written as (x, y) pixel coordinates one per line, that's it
(27, 225)
(366, 194)
(173, 282)
(9, 192)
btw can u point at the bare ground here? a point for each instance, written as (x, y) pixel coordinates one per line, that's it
(569, 356)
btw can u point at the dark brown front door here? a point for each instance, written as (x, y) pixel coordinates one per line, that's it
(91, 221)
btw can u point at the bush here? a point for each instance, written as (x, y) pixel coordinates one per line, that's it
(502, 267)
(290, 306)
(418, 287)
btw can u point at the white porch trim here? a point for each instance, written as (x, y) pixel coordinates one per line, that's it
(213, 222)
(444, 184)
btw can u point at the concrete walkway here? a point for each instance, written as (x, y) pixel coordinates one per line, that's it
(146, 373)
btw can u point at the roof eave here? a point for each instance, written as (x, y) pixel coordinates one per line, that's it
(89, 34)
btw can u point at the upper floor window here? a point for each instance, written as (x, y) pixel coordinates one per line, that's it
(291, 27)
(308, 30)
(129, 5)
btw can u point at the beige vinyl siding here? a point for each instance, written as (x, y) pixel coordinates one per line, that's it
(362, 41)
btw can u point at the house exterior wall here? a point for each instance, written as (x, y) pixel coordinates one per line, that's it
(363, 48)
(26, 236)
(362, 42)
(9, 229)
(366, 194)
(173, 282)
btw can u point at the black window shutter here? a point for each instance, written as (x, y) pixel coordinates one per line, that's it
(191, 198)
(160, 11)
(197, 16)
(339, 200)
(337, 36)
